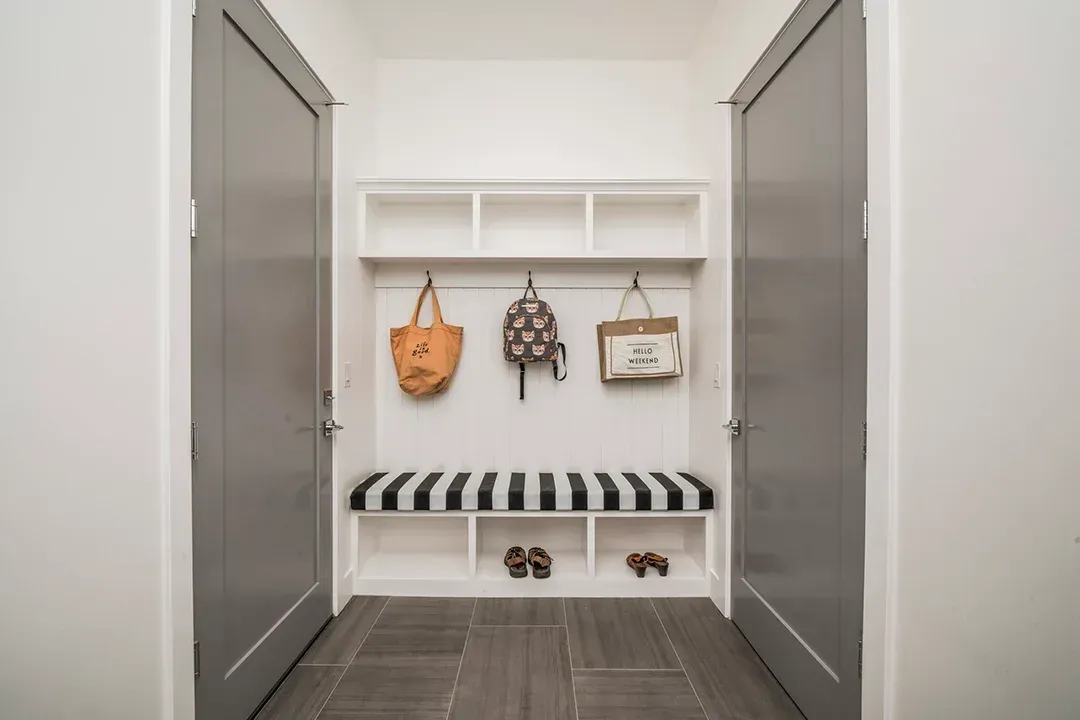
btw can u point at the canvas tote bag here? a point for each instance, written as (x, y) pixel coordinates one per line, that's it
(639, 348)
(426, 357)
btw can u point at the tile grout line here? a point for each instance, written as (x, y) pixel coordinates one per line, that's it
(659, 619)
(637, 670)
(570, 659)
(516, 626)
(355, 653)
(468, 633)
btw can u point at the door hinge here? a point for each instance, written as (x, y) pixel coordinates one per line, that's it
(194, 218)
(194, 9)
(864, 440)
(865, 220)
(860, 656)
(863, 8)
(194, 441)
(198, 660)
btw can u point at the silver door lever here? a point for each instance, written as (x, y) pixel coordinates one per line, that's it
(329, 427)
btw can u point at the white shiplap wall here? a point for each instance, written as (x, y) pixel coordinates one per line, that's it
(578, 424)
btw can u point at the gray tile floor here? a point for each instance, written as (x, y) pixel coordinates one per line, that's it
(530, 659)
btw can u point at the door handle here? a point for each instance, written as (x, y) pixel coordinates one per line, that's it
(735, 427)
(329, 427)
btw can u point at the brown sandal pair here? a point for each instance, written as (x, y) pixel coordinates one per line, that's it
(538, 559)
(640, 562)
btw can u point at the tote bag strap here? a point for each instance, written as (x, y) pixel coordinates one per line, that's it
(436, 311)
(626, 294)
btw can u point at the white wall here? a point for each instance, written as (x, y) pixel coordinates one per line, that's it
(533, 119)
(730, 44)
(94, 200)
(332, 39)
(579, 424)
(975, 166)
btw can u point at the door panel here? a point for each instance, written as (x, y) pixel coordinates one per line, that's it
(261, 352)
(270, 334)
(800, 357)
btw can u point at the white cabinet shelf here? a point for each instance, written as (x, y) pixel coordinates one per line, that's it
(459, 553)
(550, 220)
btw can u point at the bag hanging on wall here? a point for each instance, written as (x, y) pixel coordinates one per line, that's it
(530, 334)
(426, 357)
(641, 347)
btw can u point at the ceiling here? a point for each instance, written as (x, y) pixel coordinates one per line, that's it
(546, 30)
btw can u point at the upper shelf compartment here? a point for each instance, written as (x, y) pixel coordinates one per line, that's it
(599, 220)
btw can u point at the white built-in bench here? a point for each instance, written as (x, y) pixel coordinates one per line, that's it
(445, 533)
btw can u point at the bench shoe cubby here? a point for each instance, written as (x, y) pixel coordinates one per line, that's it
(460, 553)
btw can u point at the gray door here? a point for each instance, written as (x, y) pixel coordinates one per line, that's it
(800, 357)
(261, 353)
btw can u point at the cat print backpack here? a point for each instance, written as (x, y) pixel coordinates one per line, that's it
(530, 334)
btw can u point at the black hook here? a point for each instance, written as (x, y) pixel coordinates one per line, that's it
(636, 273)
(428, 276)
(530, 278)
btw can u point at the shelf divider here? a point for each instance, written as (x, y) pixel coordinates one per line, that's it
(590, 549)
(476, 222)
(473, 547)
(590, 225)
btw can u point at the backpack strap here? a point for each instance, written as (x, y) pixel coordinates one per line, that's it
(521, 393)
(555, 366)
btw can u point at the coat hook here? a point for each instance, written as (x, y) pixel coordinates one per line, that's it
(428, 276)
(530, 278)
(636, 273)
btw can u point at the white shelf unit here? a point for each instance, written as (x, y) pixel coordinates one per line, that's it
(460, 554)
(413, 546)
(420, 223)
(552, 220)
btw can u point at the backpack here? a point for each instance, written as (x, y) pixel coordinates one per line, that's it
(530, 334)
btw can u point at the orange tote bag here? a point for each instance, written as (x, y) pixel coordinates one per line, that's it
(425, 357)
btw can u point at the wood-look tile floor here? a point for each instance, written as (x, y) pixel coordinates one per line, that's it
(530, 659)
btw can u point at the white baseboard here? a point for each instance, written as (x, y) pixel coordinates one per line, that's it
(717, 595)
(345, 591)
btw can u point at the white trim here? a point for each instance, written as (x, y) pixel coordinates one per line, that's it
(531, 185)
(729, 387)
(883, 327)
(178, 676)
(337, 589)
(343, 591)
(666, 276)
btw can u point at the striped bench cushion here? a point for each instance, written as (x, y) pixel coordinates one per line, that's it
(437, 491)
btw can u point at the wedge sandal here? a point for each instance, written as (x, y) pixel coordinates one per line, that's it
(514, 560)
(541, 562)
(637, 562)
(657, 561)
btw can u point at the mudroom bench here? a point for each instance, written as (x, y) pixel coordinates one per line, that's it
(445, 533)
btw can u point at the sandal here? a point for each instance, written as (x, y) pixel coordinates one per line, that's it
(657, 561)
(540, 561)
(515, 561)
(637, 561)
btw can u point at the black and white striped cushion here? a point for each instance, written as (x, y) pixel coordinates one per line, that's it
(437, 491)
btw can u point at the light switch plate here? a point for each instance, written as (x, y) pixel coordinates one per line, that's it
(348, 374)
